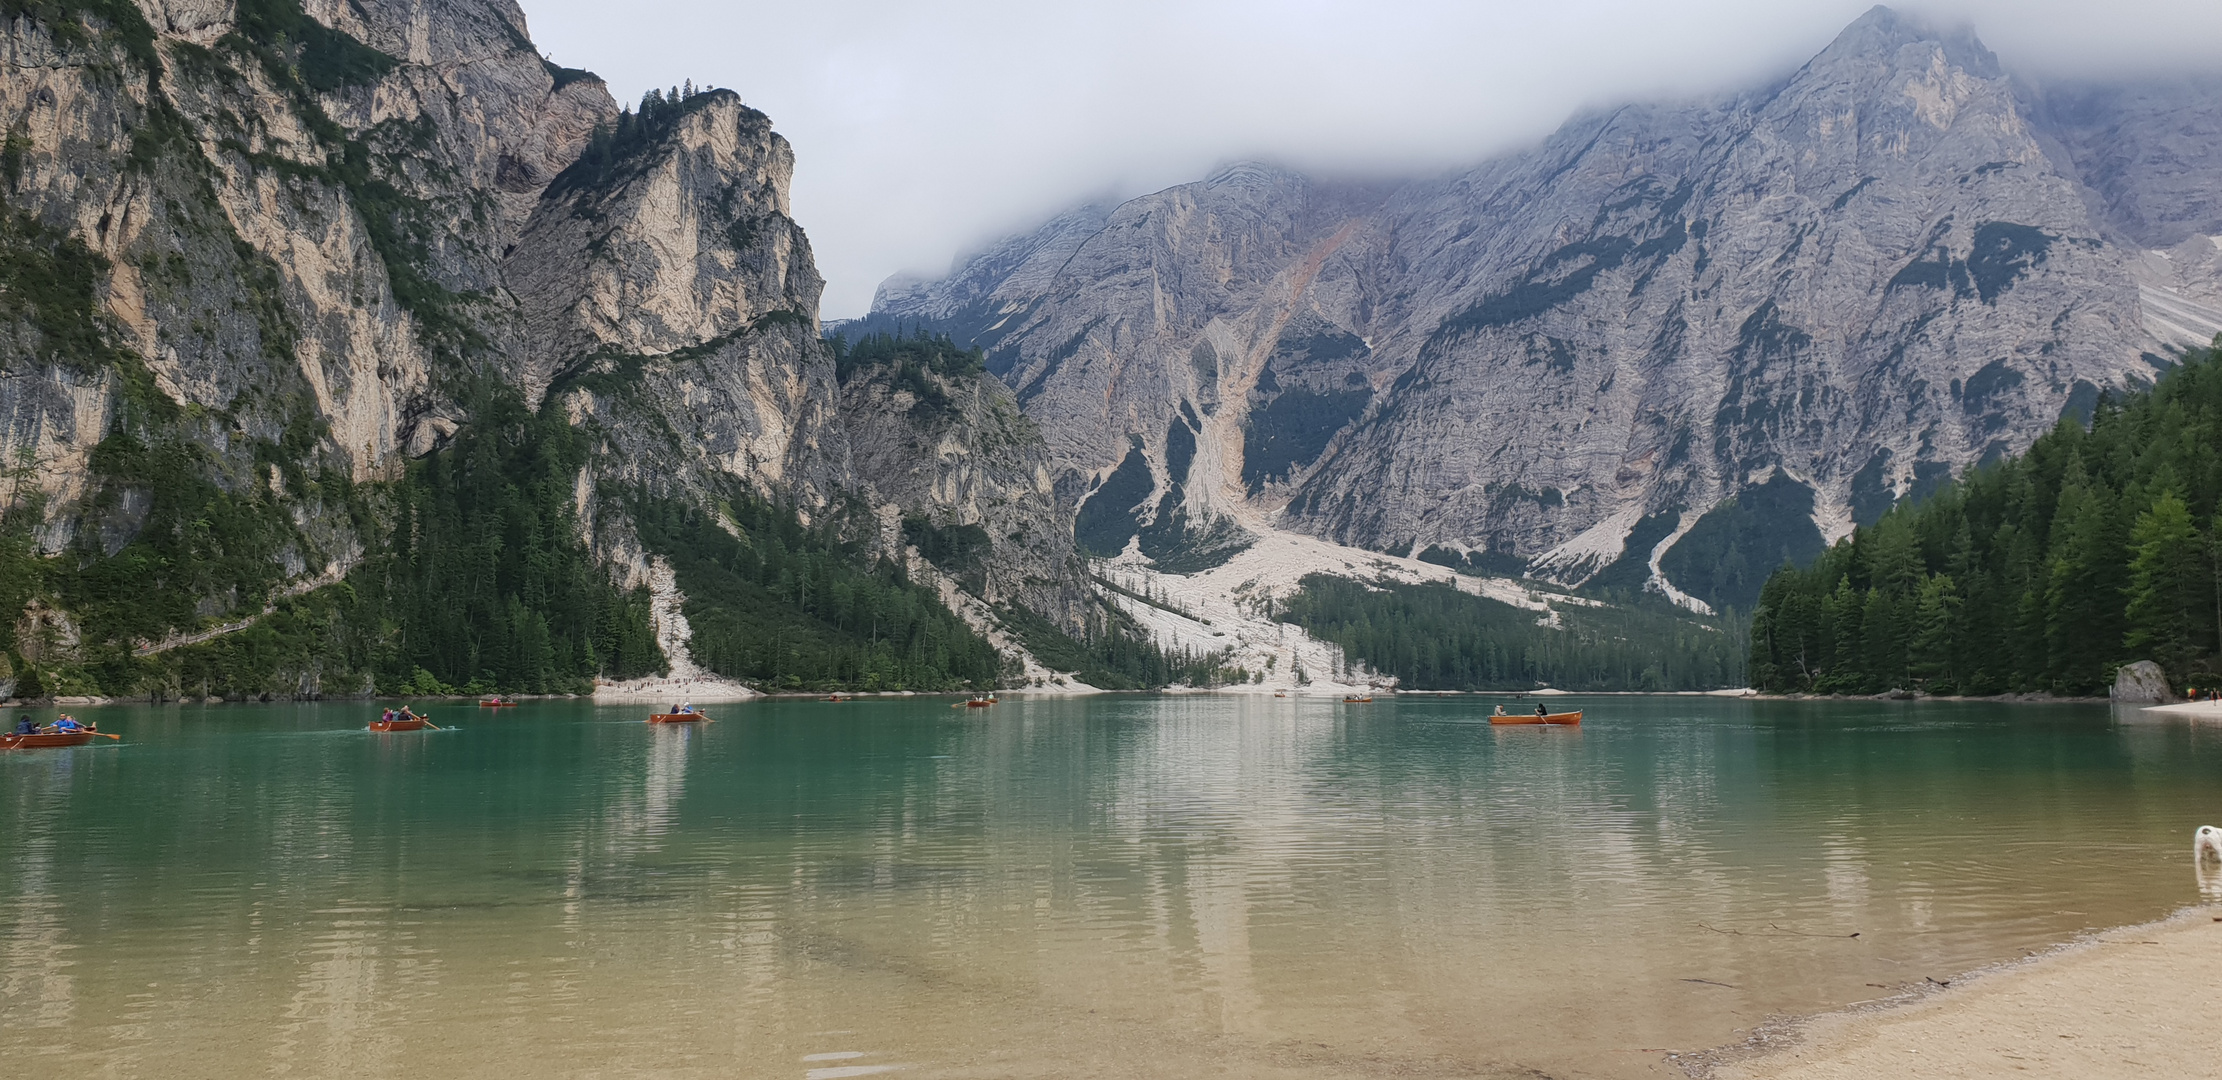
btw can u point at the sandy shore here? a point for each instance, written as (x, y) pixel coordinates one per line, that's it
(2143, 1001)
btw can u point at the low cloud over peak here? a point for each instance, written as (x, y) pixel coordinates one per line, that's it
(924, 129)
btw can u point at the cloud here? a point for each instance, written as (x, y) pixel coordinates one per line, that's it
(923, 129)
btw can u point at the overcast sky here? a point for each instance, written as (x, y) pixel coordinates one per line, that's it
(924, 129)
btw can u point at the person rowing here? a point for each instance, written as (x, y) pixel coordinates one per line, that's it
(1541, 711)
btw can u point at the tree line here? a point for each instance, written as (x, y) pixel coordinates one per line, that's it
(807, 607)
(2039, 573)
(1436, 637)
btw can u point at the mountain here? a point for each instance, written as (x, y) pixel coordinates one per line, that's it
(355, 345)
(1668, 348)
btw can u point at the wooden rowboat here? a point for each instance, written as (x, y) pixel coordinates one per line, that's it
(1366, 700)
(409, 723)
(45, 741)
(1561, 718)
(676, 718)
(979, 703)
(497, 704)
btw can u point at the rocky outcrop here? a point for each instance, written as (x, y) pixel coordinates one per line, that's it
(1892, 264)
(2142, 683)
(257, 258)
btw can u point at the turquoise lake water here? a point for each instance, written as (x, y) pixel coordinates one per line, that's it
(1120, 886)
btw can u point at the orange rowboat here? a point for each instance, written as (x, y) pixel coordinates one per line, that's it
(676, 718)
(1366, 700)
(412, 723)
(1566, 719)
(50, 739)
(497, 704)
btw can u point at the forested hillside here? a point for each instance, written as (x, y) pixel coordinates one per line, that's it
(2042, 572)
(1435, 637)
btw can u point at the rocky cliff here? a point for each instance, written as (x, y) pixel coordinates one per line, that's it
(258, 258)
(1669, 347)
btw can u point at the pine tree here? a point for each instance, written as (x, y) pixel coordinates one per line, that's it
(2168, 587)
(1936, 628)
(2083, 589)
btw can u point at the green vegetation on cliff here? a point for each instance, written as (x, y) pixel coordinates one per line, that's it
(481, 580)
(1113, 653)
(789, 606)
(1435, 637)
(2039, 573)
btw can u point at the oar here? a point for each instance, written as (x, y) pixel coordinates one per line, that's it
(105, 735)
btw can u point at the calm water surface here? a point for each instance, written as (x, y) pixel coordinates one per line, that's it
(1114, 887)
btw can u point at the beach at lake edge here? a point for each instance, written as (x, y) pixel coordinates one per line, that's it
(2137, 1001)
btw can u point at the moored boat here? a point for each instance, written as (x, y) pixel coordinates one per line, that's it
(45, 740)
(676, 718)
(1562, 719)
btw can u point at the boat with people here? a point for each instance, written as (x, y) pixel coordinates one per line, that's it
(45, 740)
(65, 731)
(402, 719)
(976, 701)
(1353, 700)
(682, 713)
(1540, 716)
(497, 702)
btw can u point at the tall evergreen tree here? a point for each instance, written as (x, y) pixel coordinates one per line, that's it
(2170, 586)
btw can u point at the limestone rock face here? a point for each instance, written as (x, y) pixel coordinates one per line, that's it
(290, 245)
(1892, 264)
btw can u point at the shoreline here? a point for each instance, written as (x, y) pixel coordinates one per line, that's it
(2130, 1001)
(728, 691)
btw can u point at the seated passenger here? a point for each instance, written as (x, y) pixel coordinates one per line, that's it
(26, 725)
(68, 723)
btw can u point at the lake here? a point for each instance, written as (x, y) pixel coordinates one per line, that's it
(1118, 886)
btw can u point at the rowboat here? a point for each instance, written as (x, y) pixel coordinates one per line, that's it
(1366, 700)
(676, 718)
(1561, 718)
(979, 703)
(44, 741)
(399, 723)
(497, 704)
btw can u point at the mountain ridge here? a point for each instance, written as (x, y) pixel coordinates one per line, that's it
(1879, 270)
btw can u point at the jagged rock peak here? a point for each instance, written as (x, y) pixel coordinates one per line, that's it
(1885, 32)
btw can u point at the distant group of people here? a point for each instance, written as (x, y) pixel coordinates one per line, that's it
(2196, 694)
(403, 713)
(684, 708)
(24, 725)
